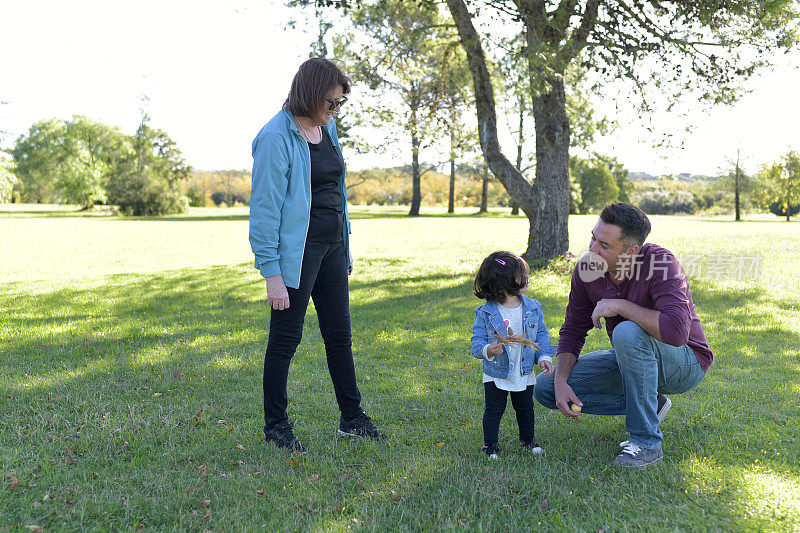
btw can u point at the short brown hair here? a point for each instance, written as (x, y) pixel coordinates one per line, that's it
(313, 80)
(633, 221)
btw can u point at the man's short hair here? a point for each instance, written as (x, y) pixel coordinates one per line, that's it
(633, 221)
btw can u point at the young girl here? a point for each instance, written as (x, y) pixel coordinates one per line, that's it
(510, 336)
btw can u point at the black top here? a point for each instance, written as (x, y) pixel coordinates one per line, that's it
(325, 224)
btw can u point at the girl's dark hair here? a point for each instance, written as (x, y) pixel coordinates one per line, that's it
(498, 274)
(633, 221)
(313, 80)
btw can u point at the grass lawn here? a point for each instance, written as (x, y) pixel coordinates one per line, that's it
(131, 354)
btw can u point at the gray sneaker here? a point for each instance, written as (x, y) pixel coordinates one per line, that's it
(636, 456)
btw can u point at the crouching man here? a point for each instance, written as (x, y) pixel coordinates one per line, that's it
(658, 344)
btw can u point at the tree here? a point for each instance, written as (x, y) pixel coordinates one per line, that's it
(409, 65)
(620, 174)
(150, 176)
(598, 186)
(705, 46)
(737, 182)
(783, 184)
(7, 179)
(37, 158)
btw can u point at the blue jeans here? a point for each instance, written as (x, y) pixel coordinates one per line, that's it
(627, 380)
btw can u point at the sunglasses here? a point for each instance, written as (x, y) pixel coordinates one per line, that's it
(336, 103)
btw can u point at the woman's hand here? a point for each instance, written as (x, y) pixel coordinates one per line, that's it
(547, 366)
(277, 295)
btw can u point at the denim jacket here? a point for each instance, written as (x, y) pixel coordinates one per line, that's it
(489, 323)
(280, 202)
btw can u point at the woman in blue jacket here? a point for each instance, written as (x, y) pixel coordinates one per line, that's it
(299, 233)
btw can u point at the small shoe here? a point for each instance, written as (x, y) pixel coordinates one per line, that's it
(634, 455)
(532, 446)
(282, 436)
(360, 426)
(664, 405)
(492, 451)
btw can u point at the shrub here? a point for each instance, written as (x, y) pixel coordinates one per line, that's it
(664, 202)
(219, 197)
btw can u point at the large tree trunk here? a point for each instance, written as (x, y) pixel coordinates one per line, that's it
(548, 221)
(550, 215)
(416, 189)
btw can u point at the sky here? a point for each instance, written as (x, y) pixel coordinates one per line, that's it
(214, 72)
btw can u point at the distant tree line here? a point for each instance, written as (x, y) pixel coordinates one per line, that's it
(83, 162)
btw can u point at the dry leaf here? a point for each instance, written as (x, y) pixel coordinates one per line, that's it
(240, 447)
(544, 505)
(11, 474)
(260, 492)
(196, 418)
(35, 528)
(196, 488)
(158, 394)
(313, 478)
(124, 447)
(205, 503)
(440, 443)
(207, 516)
(202, 471)
(774, 415)
(394, 494)
(36, 505)
(14, 483)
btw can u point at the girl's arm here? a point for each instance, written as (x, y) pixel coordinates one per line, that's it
(482, 345)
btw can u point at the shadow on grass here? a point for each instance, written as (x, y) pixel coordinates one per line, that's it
(154, 350)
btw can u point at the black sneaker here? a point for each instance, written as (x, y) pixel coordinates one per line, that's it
(281, 435)
(492, 451)
(360, 426)
(532, 446)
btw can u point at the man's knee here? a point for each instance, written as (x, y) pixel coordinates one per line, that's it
(544, 391)
(628, 333)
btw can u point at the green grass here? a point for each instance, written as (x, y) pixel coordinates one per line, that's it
(131, 353)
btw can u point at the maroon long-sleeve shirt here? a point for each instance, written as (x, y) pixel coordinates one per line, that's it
(658, 282)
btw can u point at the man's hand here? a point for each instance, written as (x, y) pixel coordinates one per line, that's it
(547, 366)
(494, 349)
(607, 307)
(565, 396)
(277, 295)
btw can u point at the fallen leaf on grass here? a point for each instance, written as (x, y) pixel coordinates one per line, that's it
(544, 505)
(35, 528)
(202, 471)
(204, 503)
(36, 505)
(196, 488)
(357, 521)
(395, 496)
(124, 447)
(158, 394)
(14, 483)
(774, 416)
(240, 447)
(222, 421)
(313, 478)
(206, 517)
(294, 461)
(196, 418)
(440, 443)
(260, 492)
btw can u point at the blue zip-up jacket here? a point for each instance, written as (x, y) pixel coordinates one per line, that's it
(280, 200)
(489, 323)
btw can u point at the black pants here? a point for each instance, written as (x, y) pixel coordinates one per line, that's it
(324, 278)
(496, 406)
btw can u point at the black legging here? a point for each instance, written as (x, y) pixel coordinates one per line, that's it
(496, 406)
(324, 278)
